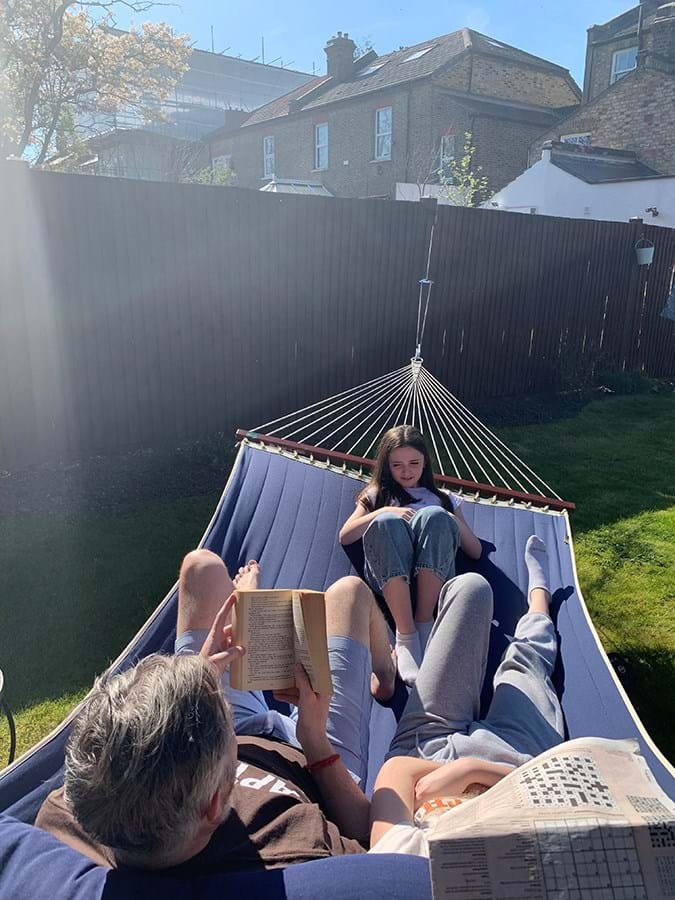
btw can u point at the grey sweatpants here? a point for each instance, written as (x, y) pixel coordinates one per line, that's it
(440, 720)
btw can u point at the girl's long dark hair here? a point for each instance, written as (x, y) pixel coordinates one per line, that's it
(381, 490)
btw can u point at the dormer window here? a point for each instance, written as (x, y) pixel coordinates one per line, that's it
(417, 54)
(623, 62)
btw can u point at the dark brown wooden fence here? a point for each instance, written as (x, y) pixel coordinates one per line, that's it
(138, 314)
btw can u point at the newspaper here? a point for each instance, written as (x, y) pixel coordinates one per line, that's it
(583, 821)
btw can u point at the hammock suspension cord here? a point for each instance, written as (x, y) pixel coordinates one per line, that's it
(461, 446)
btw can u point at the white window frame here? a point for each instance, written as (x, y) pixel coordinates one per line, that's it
(617, 72)
(383, 147)
(369, 70)
(269, 160)
(320, 160)
(445, 158)
(578, 138)
(418, 54)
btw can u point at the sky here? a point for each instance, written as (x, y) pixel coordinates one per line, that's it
(296, 32)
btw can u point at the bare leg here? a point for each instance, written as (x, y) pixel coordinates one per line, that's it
(383, 679)
(396, 593)
(203, 586)
(351, 611)
(428, 591)
(539, 601)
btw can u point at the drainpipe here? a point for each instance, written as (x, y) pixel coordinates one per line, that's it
(407, 135)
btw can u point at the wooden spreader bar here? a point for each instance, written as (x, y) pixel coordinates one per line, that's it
(474, 486)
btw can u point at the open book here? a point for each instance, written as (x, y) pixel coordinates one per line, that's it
(279, 628)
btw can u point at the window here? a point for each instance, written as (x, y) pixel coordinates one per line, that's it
(383, 133)
(268, 156)
(370, 70)
(447, 152)
(321, 146)
(583, 138)
(417, 54)
(623, 62)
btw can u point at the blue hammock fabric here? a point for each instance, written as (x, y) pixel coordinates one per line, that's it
(286, 512)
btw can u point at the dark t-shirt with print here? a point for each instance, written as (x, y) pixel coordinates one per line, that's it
(275, 819)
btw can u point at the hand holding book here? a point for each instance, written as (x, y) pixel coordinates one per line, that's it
(219, 646)
(280, 628)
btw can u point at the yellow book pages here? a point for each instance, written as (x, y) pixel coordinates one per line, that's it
(311, 648)
(262, 622)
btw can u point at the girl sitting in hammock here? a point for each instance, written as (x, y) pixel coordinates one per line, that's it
(410, 529)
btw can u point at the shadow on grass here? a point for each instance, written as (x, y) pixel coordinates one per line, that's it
(77, 587)
(648, 676)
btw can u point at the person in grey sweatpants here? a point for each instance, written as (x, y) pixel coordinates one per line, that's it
(441, 728)
(441, 718)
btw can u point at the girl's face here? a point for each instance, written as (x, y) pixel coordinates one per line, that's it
(406, 466)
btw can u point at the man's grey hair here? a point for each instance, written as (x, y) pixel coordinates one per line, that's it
(147, 753)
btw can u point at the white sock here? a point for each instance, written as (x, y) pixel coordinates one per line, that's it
(536, 560)
(424, 630)
(408, 656)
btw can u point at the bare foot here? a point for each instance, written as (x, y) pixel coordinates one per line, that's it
(246, 578)
(382, 688)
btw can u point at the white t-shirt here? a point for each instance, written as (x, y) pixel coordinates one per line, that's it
(403, 838)
(422, 497)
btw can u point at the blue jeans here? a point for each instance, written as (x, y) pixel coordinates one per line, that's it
(394, 548)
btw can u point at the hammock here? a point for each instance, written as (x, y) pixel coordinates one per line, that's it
(284, 507)
(292, 486)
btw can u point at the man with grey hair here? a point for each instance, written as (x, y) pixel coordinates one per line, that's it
(168, 767)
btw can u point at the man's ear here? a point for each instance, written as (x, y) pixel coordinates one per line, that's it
(214, 810)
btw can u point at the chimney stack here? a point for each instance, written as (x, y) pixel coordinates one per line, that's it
(340, 56)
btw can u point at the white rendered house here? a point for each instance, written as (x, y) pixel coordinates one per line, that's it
(582, 182)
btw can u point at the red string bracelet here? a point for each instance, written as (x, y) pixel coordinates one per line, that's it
(323, 763)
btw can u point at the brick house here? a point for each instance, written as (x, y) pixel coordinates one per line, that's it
(378, 121)
(629, 88)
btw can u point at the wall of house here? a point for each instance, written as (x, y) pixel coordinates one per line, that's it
(637, 114)
(551, 192)
(501, 148)
(501, 145)
(492, 77)
(352, 169)
(422, 112)
(601, 64)
(456, 76)
(657, 36)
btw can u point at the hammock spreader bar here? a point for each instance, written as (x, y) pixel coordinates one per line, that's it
(359, 462)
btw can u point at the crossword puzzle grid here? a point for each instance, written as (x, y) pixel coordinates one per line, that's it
(570, 781)
(659, 821)
(581, 862)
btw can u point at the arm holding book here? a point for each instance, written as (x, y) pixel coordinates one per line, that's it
(343, 799)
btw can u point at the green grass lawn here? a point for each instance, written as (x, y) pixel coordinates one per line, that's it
(77, 585)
